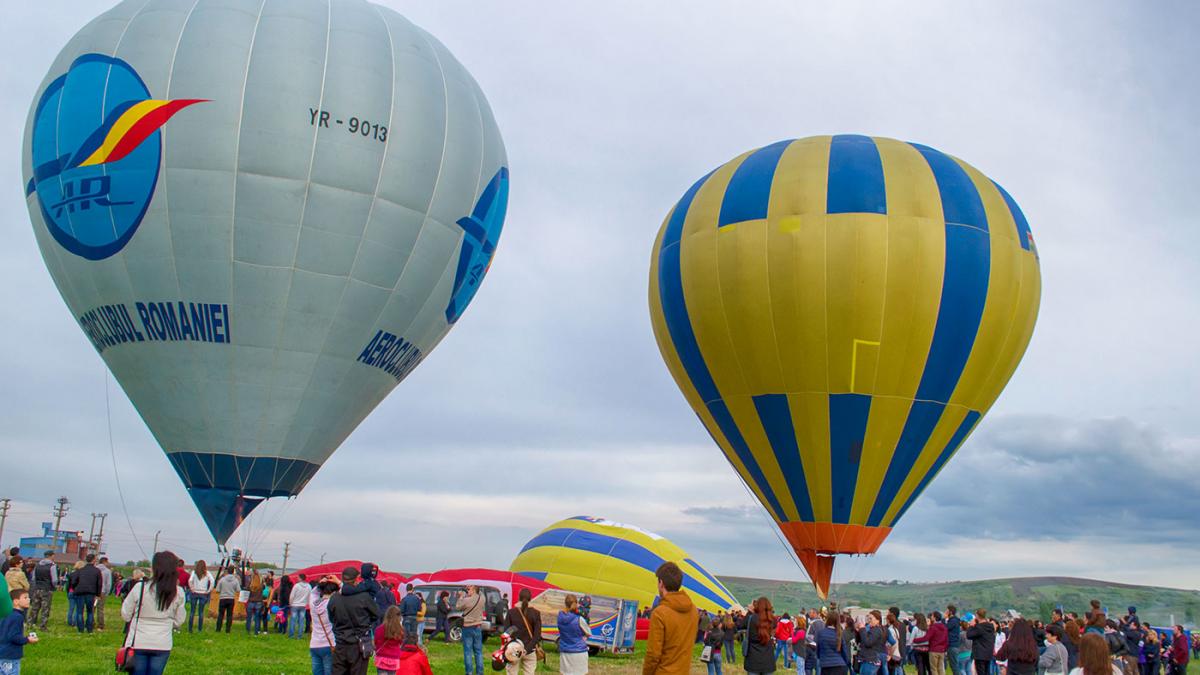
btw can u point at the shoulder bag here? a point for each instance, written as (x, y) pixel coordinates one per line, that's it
(124, 659)
(537, 645)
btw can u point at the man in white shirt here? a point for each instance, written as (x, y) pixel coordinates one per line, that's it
(106, 584)
(298, 602)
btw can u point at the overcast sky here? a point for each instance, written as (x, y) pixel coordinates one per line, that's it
(1086, 466)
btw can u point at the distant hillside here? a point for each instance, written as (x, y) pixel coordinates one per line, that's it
(1031, 596)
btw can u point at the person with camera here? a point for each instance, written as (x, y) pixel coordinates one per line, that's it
(353, 617)
(525, 624)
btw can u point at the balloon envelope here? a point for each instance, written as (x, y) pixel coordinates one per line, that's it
(263, 214)
(840, 312)
(593, 555)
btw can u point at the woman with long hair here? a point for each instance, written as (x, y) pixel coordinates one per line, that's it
(200, 585)
(1072, 633)
(920, 644)
(831, 642)
(1152, 649)
(758, 649)
(714, 638)
(254, 603)
(154, 608)
(872, 644)
(729, 628)
(1094, 658)
(389, 640)
(526, 623)
(1020, 650)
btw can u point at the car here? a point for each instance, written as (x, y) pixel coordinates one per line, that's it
(493, 616)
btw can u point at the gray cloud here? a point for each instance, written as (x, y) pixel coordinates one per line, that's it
(551, 385)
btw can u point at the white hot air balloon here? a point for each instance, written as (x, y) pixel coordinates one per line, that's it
(263, 214)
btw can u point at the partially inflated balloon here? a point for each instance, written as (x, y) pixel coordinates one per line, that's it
(594, 555)
(840, 312)
(264, 214)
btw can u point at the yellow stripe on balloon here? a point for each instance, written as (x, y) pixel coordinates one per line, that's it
(916, 263)
(810, 419)
(119, 128)
(1023, 319)
(796, 263)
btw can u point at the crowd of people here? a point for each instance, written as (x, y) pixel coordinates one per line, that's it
(353, 619)
(834, 642)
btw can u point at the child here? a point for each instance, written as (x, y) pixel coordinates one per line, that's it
(12, 634)
(389, 640)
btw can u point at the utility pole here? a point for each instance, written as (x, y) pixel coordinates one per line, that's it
(322, 557)
(287, 545)
(100, 536)
(3, 516)
(91, 534)
(60, 510)
(156, 542)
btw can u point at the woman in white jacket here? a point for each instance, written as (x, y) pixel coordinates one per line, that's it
(200, 586)
(154, 609)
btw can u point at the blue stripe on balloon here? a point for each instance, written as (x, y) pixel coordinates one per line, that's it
(749, 188)
(724, 420)
(956, 440)
(619, 549)
(855, 182)
(848, 415)
(713, 580)
(960, 310)
(776, 417)
(683, 338)
(922, 418)
(1017, 215)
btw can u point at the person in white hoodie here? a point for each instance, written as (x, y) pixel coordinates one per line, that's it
(154, 608)
(200, 586)
(298, 604)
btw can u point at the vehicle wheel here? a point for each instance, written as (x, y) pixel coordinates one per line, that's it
(456, 632)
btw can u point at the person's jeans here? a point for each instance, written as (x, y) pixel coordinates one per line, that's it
(410, 624)
(254, 613)
(421, 632)
(150, 661)
(72, 608)
(983, 667)
(296, 624)
(785, 648)
(322, 660)
(10, 667)
(727, 652)
(225, 610)
(714, 665)
(472, 641)
(868, 668)
(87, 606)
(197, 606)
(440, 627)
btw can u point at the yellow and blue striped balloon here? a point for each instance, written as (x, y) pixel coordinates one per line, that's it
(600, 557)
(840, 312)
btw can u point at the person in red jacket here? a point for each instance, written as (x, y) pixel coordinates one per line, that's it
(1179, 652)
(939, 643)
(413, 660)
(783, 639)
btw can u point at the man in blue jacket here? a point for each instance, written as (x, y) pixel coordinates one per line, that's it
(953, 639)
(12, 634)
(410, 606)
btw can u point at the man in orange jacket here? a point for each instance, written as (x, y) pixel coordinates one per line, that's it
(672, 626)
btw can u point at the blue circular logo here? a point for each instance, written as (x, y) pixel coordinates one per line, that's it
(96, 151)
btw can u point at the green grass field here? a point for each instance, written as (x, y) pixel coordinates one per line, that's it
(64, 650)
